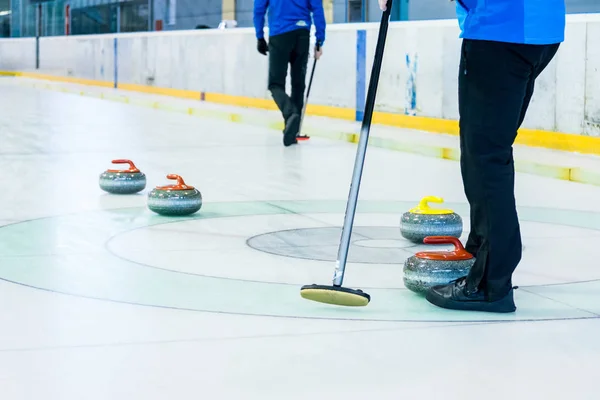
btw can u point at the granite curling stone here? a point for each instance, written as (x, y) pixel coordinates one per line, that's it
(175, 200)
(126, 181)
(432, 268)
(423, 221)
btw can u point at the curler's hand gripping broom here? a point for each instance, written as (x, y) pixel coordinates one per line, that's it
(336, 294)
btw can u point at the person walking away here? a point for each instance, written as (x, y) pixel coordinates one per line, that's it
(289, 43)
(506, 45)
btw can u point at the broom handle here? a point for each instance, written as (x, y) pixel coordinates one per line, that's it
(312, 74)
(340, 266)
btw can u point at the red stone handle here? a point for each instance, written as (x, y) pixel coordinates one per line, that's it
(459, 252)
(445, 240)
(179, 186)
(132, 167)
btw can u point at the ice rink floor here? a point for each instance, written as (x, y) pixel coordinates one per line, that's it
(102, 299)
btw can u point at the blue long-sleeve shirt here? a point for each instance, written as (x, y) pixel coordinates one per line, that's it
(513, 21)
(288, 15)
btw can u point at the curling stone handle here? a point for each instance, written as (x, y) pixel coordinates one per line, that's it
(458, 246)
(122, 161)
(132, 167)
(178, 178)
(181, 185)
(424, 204)
(459, 252)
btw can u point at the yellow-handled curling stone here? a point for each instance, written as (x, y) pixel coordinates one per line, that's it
(336, 294)
(423, 221)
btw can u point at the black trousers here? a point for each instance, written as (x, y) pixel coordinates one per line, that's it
(288, 48)
(496, 83)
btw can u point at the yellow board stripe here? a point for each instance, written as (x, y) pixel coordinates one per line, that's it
(183, 94)
(239, 101)
(435, 125)
(559, 141)
(66, 79)
(527, 137)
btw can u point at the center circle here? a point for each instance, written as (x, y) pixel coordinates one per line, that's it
(368, 244)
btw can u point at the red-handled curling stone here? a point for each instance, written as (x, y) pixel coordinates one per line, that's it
(431, 268)
(175, 200)
(123, 181)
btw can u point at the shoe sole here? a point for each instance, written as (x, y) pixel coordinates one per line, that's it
(504, 305)
(291, 130)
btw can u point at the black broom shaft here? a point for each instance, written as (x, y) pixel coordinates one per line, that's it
(378, 61)
(312, 74)
(362, 149)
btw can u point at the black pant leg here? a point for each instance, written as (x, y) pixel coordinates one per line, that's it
(495, 89)
(299, 64)
(474, 240)
(280, 52)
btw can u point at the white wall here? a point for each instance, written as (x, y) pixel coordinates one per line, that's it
(17, 54)
(567, 97)
(78, 56)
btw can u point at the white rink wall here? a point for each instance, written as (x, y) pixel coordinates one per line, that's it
(419, 75)
(17, 54)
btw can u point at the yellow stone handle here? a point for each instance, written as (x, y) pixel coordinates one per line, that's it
(424, 208)
(424, 204)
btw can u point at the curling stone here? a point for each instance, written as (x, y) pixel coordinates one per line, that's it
(423, 221)
(126, 181)
(175, 200)
(431, 268)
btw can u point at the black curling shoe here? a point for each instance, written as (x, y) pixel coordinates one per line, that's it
(292, 127)
(455, 296)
